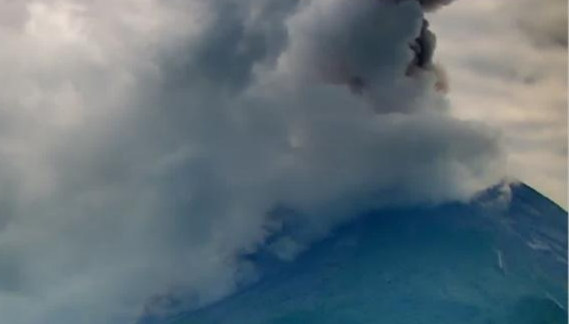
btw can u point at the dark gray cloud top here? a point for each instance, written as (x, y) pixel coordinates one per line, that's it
(144, 143)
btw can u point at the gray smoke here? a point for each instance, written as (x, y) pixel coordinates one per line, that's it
(145, 144)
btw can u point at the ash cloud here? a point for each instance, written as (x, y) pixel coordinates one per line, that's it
(146, 144)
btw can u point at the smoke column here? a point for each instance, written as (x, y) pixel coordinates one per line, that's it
(146, 146)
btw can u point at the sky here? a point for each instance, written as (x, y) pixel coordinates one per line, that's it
(507, 66)
(147, 146)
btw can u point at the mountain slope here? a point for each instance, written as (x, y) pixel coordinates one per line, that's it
(490, 261)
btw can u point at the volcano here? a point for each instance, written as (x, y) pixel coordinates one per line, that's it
(500, 258)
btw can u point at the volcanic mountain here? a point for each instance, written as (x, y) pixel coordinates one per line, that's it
(500, 258)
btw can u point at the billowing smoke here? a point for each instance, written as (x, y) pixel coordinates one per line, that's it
(147, 145)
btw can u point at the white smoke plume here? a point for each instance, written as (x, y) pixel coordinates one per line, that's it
(144, 144)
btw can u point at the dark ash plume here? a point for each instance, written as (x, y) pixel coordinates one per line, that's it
(434, 4)
(423, 49)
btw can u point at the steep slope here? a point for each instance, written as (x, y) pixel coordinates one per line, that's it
(490, 261)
